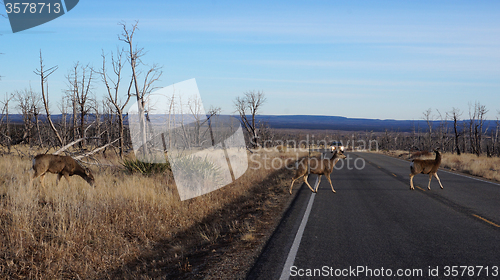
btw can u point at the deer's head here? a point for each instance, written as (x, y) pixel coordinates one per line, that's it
(89, 177)
(338, 153)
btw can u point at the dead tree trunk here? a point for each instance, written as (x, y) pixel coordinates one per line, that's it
(152, 75)
(112, 86)
(248, 107)
(455, 113)
(44, 74)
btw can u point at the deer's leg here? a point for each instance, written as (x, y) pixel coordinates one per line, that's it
(411, 182)
(66, 175)
(436, 175)
(32, 180)
(307, 183)
(430, 178)
(293, 180)
(291, 186)
(319, 181)
(330, 181)
(36, 174)
(41, 180)
(59, 175)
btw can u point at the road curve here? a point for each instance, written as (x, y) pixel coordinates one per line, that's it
(375, 226)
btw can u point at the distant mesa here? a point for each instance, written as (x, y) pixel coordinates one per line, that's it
(318, 122)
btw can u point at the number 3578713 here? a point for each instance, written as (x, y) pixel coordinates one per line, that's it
(32, 8)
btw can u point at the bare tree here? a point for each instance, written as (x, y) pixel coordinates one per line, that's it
(442, 134)
(476, 126)
(98, 116)
(109, 122)
(496, 149)
(44, 74)
(472, 121)
(64, 106)
(266, 134)
(80, 83)
(248, 107)
(142, 86)
(198, 119)
(113, 89)
(5, 116)
(480, 129)
(72, 97)
(428, 117)
(455, 115)
(29, 104)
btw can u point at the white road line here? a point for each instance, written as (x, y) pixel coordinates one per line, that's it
(285, 273)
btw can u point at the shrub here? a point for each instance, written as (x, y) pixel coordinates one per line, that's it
(146, 168)
(198, 169)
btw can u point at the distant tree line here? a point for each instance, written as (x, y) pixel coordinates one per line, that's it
(448, 131)
(452, 134)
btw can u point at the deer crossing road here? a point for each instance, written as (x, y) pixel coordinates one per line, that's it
(376, 225)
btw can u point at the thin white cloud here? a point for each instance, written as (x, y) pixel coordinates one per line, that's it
(364, 82)
(469, 50)
(410, 64)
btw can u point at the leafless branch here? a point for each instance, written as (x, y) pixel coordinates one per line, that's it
(67, 146)
(95, 150)
(44, 74)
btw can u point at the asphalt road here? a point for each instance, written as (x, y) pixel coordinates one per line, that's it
(375, 227)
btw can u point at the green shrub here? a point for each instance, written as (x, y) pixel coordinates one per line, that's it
(146, 168)
(197, 169)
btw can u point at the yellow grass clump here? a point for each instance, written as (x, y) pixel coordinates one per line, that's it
(482, 166)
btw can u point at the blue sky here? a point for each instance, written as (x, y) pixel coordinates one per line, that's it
(359, 59)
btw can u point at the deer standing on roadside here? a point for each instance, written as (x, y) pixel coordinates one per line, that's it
(62, 166)
(319, 167)
(426, 166)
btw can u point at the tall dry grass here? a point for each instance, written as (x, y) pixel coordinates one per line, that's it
(76, 231)
(482, 166)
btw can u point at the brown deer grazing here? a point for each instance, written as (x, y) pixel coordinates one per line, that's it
(319, 167)
(62, 166)
(426, 166)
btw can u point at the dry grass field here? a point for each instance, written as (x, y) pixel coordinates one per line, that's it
(482, 166)
(132, 226)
